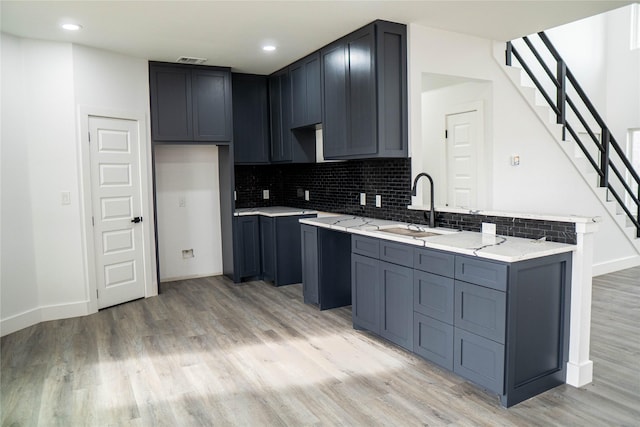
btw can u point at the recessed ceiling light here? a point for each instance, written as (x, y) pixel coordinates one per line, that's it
(71, 27)
(269, 48)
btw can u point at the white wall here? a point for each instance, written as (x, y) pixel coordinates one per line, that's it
(188, 173)
(44, 273)
(546, 181)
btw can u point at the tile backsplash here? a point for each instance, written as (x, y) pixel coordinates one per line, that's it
(336, 187)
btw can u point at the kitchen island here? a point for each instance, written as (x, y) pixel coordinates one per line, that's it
(492, 309)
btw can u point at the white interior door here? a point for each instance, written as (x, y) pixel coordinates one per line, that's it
(462, 159)
(116, 200)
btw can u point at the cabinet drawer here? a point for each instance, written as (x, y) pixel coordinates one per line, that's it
(433, 296)
(481, 272)
(435, 262)
(366, 246)
(480, 310)
(433, 340)
(479, 360)
(396, 253)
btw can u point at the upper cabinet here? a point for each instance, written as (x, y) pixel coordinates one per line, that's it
(250, 119)
(190, 103)
(364, 93)
(306, 103)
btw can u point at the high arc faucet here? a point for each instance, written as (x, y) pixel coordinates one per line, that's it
(414, 192)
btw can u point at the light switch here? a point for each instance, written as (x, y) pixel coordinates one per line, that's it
(65, 197)
(363, 199)
(306, 195)
(515, 160)
(378, 201)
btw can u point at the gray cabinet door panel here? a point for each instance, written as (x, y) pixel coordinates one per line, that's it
(334, 100)
(433, 261)
(309, 241)
(433, 296)
(171, 103)
(366, 246)
(480, 310)
(397, 304)
(211, 105)
(482, 272)
(433, 340)
(268, 248)
(479, 360)
(365, 291)
(396, 253)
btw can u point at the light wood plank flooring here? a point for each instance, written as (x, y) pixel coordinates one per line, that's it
(208, 352)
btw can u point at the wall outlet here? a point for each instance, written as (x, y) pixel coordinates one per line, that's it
(363, 199)
(187, 253)
(306, 195)
(235, 195)
(265, 194)
(378, 201)
(300, 192)
(65, 197)
(182, 202)
(488, 228)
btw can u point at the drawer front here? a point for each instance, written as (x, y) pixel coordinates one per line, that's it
(366, 246)
(396, 253)
(435, 262)
(479, 360)
(484, 273)
(433, 340)
(433, 296)
(480, 310)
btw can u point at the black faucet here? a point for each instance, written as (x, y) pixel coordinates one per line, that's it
(414, 192)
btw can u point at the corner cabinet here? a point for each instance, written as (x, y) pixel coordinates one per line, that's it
(190, 103)
(503, 326)
(364, 93)
(250, 119)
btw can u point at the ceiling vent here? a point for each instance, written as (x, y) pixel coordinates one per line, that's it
(190, 60)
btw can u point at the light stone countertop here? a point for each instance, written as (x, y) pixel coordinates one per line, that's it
(273, 211)
(495, 247)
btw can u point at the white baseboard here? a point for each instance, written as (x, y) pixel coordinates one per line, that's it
(194, 276)
(34, 316)
(615, 265)
(580, 375)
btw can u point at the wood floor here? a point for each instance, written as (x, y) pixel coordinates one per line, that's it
(208, 352)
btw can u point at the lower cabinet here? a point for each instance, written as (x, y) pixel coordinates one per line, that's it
(503, 326)
(326, 267)
(267, 248)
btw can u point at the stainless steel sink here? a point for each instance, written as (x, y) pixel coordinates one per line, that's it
(403, 231)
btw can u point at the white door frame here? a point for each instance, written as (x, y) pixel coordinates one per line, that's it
(86, 214)
(483, 169)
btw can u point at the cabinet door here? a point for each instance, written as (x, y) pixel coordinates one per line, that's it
(250, 119)
(365, 293)
(288, 257)
(280, 107)
(211, 93)
(268, 248)
(171, 104)
(306, 108)
(479, 359)
(396, 290)
(361, 99)
(309, 242)
(334, 91)
(248, 243)
(433, 340)
(433, 296)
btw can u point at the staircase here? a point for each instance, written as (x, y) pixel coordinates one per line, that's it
(552, 91)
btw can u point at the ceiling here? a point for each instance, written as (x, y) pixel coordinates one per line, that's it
(231, 33)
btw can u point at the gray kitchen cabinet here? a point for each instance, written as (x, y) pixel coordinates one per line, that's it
(306, 103)
(250, 119)
(365, 293)
(287, 146)
(247, 246)
(190, 103)
(503, 326)
(268, 248)
(326, 267)
(396, 299)
(364, 84)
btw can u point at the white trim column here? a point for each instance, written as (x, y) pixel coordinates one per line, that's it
(579, 367)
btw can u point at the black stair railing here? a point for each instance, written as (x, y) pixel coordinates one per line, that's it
(571, 98)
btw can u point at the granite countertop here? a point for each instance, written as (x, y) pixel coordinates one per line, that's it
(273, 211)
(495, 247)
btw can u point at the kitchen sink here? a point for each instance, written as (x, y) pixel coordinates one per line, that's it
(404, 231)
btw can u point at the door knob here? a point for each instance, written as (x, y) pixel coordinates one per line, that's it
(137, 219)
